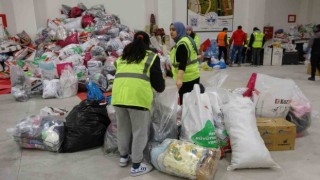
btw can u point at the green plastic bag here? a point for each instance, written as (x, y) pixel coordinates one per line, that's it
(206, 137)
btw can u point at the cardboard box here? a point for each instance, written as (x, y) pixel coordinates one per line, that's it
(309, 70)
(278, 134)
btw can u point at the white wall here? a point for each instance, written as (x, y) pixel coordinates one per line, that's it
(315, 12)
(305, 13)
(7, 8)
(25, 18)
(277, 12)
(32, 14)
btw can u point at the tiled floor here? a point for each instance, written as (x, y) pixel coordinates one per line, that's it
(15, 163)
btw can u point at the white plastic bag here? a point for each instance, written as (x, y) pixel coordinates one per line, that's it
(51, 111)
(221, 132)
(68, 82)
(248, 148)
(272, 96)
(197, 119)
(75, 59)
(217, 79)
(51, 88)
(73, 24)
(69, 50)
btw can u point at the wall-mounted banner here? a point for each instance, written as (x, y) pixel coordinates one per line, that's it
(210, 15)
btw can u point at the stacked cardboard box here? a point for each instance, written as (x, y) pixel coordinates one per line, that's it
(278, 134)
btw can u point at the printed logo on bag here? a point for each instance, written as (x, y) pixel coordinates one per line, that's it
(206, 137)
(282, 101)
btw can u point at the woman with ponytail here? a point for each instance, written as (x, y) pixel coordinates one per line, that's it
(138, 73)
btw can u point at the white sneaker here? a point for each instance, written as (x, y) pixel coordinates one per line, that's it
(143, 169)
(124, 161)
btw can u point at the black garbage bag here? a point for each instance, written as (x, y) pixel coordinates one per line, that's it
(302, 123)
(85, 126)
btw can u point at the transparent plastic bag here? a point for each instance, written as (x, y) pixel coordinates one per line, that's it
(184, 159)
(69, 50)
(100, 80)
(61, 33)
(94, 67)
(73, 24)
(36, 132)
(68, 83)
(108, 68)
(218, 78)
(51, 88)
(115, 44)
(164, 115)
(124, 28)
(124, 35)
(110, 139)
(76, 60)
(113, 32)
(48, 70)
(20, 84)
(300, 111)
(96, 11)
(101, 27)
(272, 96)
(99, 53)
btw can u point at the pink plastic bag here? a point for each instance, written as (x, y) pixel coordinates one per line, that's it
(87, 58)
(75, 12)
(73, 39)
(63, 66)
(87, 20)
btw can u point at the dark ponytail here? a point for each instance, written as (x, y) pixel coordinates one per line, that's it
(137, 49)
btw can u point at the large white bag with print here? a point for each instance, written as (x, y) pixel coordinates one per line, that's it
(248, 148)
(272, 96)
(197, 119)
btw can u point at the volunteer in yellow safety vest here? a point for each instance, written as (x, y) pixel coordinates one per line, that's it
(184, 59)
(256, 43)
(194, 36)
(138, 71)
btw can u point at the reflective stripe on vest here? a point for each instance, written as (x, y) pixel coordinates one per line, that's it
(192, 70)
(143, 76)
(131, 86)
(258, 38)
(189, 61)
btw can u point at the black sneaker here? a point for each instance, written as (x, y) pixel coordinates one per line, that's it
(311, 79)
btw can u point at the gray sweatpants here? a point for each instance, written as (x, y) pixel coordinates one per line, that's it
(136, 122)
